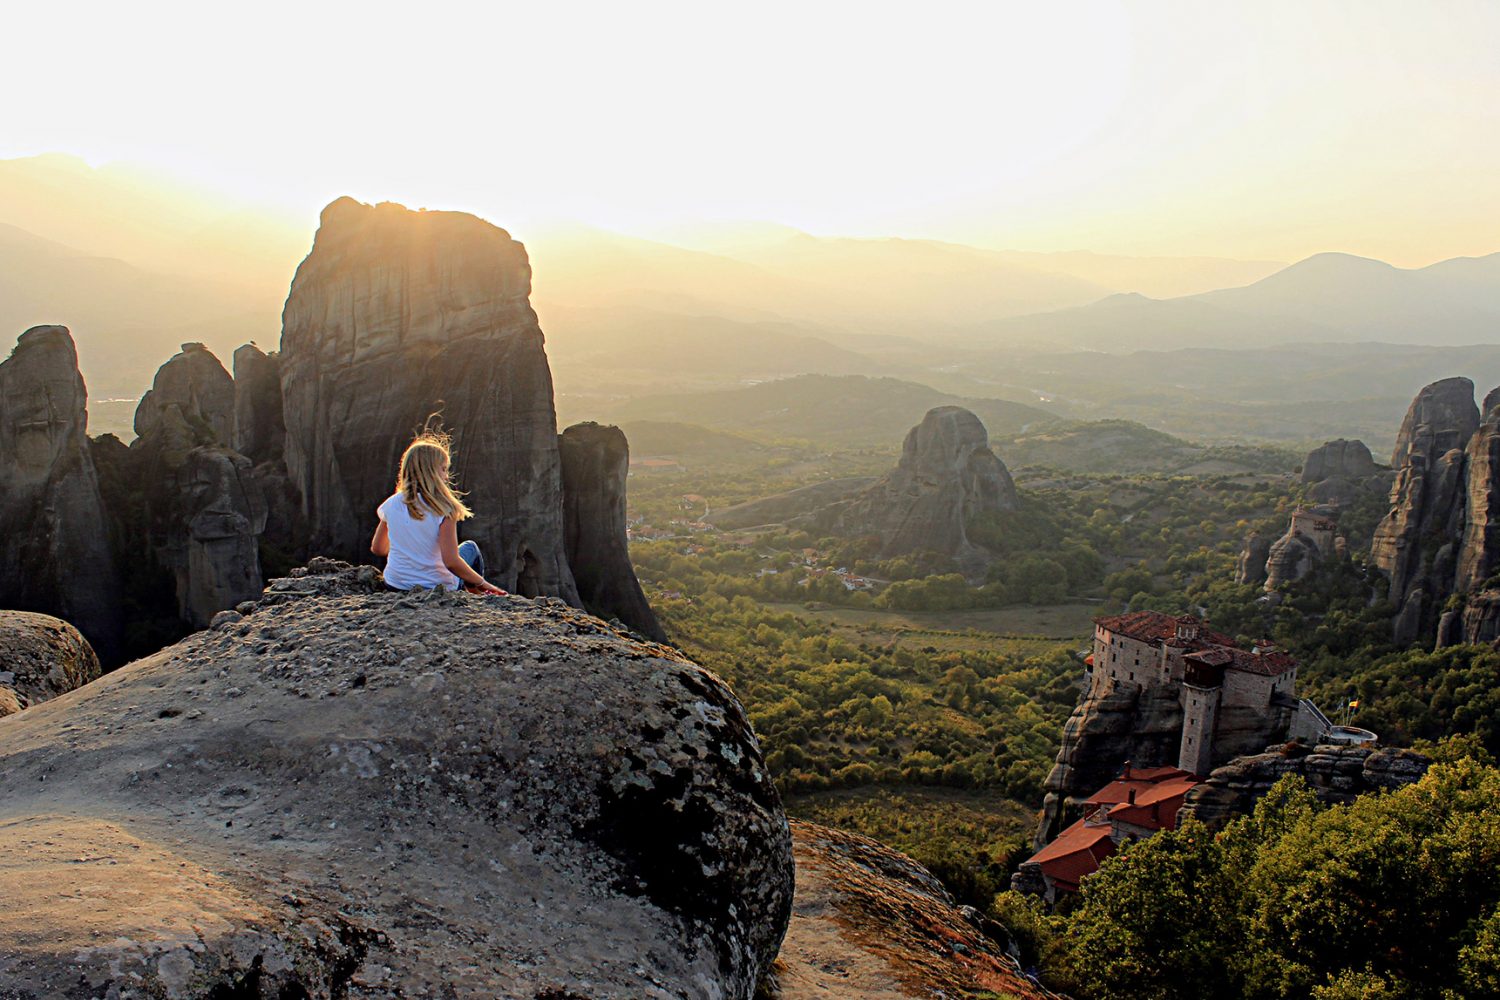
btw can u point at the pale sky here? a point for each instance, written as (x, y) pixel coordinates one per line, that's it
(1257, 129)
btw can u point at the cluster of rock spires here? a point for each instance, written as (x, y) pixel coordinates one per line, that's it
(946, 476)
(393, 316)
(1440, 538)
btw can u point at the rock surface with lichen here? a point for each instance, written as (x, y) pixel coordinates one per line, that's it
(41, 657)
(341, 791)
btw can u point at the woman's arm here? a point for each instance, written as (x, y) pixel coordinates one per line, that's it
(380, 545)
(448, 546)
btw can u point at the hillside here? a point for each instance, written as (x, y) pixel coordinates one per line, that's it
(850, 411)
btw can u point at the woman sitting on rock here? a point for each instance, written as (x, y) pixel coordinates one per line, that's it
(418, 532)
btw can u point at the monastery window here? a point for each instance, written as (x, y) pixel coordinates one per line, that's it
(1132, 675)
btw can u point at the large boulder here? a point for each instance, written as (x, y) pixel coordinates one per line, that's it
(946, 476)
(1336, 774)
(595, 464)
(349, 792)
(41, 657)
(55, 556)
(1479, 552)
(1342, 459)
(396, 315)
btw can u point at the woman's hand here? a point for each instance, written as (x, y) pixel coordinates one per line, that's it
(485, 587)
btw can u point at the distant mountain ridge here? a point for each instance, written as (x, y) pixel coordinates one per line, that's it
(1329, 297)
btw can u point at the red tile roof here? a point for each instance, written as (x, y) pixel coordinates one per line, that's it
(1158, 626)
(1076, 853)
(1207, 646)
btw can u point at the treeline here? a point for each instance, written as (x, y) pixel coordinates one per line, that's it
(834, 713)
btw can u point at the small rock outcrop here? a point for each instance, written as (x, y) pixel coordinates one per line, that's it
(1417, 544)
(1250, 567)
(54, 549)
(595, 464)
(259, 432)
(41, 657)
(1336, 774)
(203, 510)
(947, 474)
(342, 791)
(870, 922)
(396, 315)
(1342, 459)
(1479, 620)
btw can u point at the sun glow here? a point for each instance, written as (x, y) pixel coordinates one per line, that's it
(1271, 130)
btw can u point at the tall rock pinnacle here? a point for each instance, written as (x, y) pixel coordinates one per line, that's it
(398, 314)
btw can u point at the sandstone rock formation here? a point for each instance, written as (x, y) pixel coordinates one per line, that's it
(1336, 774)
(259, 431)
(393, 316)
(1291, 557)
(1127, 723)
(947, 474)
(1416, 544)
(1342, 459)
(871, 923)
(1250, 567)
(202, 511)
(41, 657)
(196, 385)
(1479, 552)
(595, 463)
(355, 793)
(54, 551)
(1480, 620)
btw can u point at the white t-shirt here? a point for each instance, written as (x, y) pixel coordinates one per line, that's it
(415, 559)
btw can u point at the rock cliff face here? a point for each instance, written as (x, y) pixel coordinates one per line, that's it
(1479, 552)
(54, 551)
(1336, 774)
(43, 657)
(1250, 567)
(1416, 545)
(343, 792)
(595, 464)
(203, 510)
(946, 475)
(395, 315)
(871, 923)
(1342, 459)
(1126, 723)
(259, 431)
(1291, 557)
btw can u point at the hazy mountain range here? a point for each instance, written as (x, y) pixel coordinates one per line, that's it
(136, 265)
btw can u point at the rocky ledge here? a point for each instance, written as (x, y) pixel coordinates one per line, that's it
(1336, 774)
(339, 791)
(870, 922)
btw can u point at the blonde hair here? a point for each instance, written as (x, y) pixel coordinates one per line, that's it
(424, 476)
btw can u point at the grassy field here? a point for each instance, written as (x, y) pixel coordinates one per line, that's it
(1022, 629)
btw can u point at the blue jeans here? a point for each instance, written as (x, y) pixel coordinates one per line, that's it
(469, 553)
